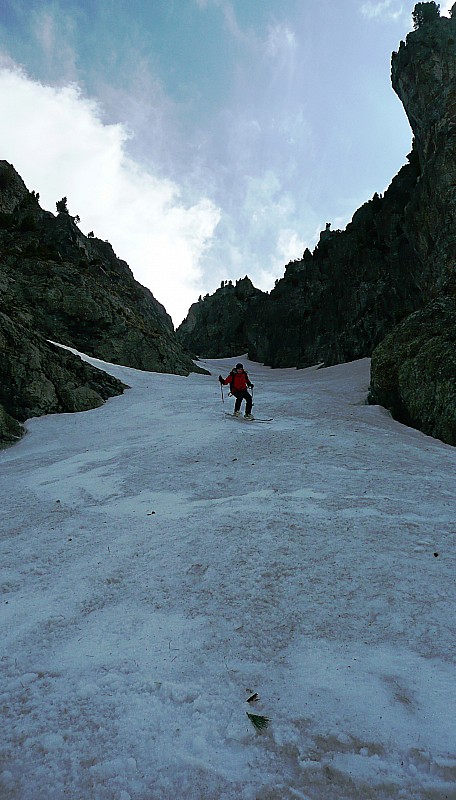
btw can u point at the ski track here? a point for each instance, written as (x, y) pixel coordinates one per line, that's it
(159, 564)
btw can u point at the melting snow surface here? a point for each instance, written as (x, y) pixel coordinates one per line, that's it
(160, 563)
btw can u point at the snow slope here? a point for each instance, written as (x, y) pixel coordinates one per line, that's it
(160, 563)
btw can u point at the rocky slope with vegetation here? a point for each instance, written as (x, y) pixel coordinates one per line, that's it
(57, 284)
(385, 286)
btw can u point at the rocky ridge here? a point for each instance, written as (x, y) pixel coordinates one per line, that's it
(57, 284)
(385, 286)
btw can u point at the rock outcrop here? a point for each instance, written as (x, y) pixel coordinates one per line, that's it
(57, 284)
(217, 324)
(352, 296)
(38, 378)
(414, 370)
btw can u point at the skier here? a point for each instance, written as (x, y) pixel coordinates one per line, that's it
(239, 382)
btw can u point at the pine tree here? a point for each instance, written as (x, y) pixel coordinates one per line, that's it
(61, 206)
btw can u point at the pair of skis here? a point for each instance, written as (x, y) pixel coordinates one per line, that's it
(243, 419)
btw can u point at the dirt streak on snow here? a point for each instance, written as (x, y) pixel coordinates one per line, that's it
(160, 563)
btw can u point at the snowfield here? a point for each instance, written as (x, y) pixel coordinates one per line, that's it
(160, 563)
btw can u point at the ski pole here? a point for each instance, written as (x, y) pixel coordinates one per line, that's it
(221, 389)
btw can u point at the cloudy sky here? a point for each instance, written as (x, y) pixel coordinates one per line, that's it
(205, 139)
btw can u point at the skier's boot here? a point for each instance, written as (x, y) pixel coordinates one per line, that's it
(236, 414)
(249, 416)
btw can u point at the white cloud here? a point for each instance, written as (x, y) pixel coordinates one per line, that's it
(290, 245)
(280, 39)
(246, 38)
(57, 142)
(446, 8)
(53, 31)
(385, 10)
(269, 240)
(264, 202)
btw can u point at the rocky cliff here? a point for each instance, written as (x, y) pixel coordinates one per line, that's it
(218, 325)
(414, 370)
(57, 284)
(353, 295)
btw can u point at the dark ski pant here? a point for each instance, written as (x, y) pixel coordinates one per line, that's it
(240, 396)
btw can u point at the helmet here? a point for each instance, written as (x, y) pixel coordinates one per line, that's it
(239, 366)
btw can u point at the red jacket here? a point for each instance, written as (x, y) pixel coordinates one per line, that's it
(239, 381)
